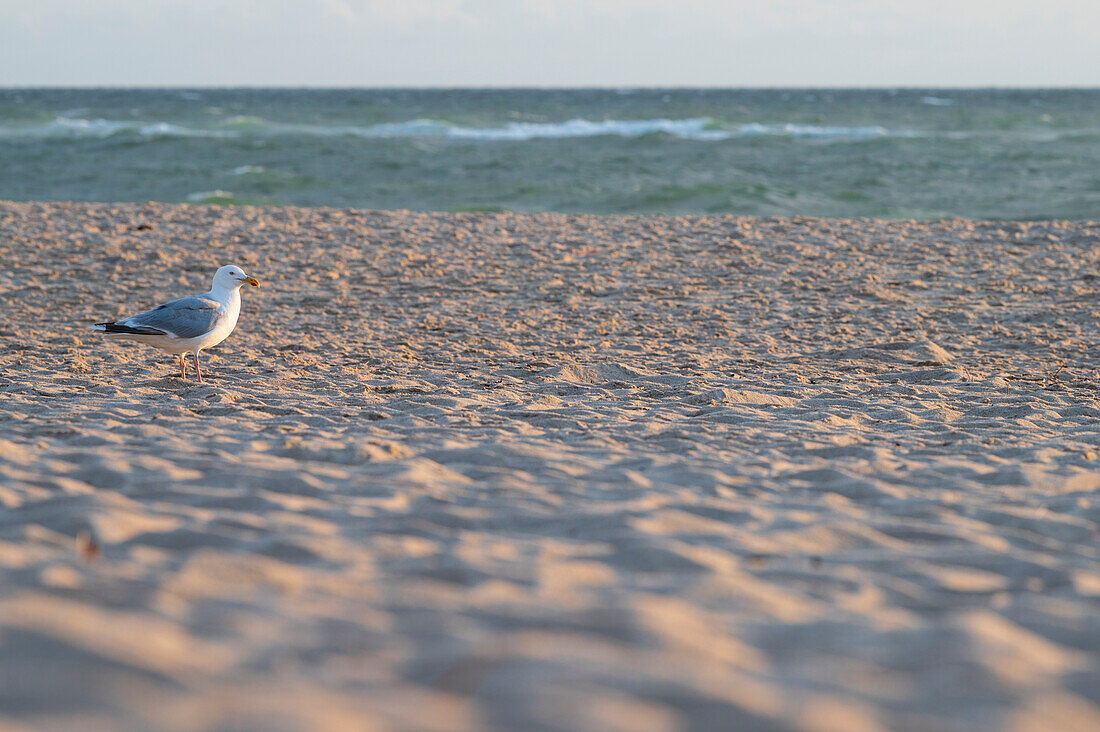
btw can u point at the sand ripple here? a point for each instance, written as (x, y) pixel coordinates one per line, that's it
(459, 471)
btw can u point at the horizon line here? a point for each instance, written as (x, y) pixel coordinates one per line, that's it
(551, 87)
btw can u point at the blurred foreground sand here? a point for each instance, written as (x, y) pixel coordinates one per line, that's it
(551, 472)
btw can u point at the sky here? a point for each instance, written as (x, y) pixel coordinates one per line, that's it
(493, 43)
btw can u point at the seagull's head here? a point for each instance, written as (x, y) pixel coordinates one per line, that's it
(231, 277)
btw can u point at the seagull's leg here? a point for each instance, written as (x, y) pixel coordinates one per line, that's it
(183, 374)
(195, 357)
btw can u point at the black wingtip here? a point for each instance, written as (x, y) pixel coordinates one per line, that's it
(119, 328)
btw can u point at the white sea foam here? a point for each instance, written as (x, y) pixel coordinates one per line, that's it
(833, 132)
(690, 129)
(165, 129)
(412, 128)
(937, 101)
(80, 127)
(693, 128)
(200, 196)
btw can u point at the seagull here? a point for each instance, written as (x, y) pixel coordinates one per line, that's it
(190, 324)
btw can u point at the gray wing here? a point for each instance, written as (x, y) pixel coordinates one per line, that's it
(187, 317)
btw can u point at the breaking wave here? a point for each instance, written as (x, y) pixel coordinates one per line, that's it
(695, 128)
(78, 127)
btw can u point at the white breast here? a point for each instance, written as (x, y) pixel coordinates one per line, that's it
(226, 326)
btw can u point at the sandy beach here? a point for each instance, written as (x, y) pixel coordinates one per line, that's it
(551, 472)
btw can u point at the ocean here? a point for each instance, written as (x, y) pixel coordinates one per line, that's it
(905, 153)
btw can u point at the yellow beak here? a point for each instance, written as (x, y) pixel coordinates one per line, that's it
(252, 281)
